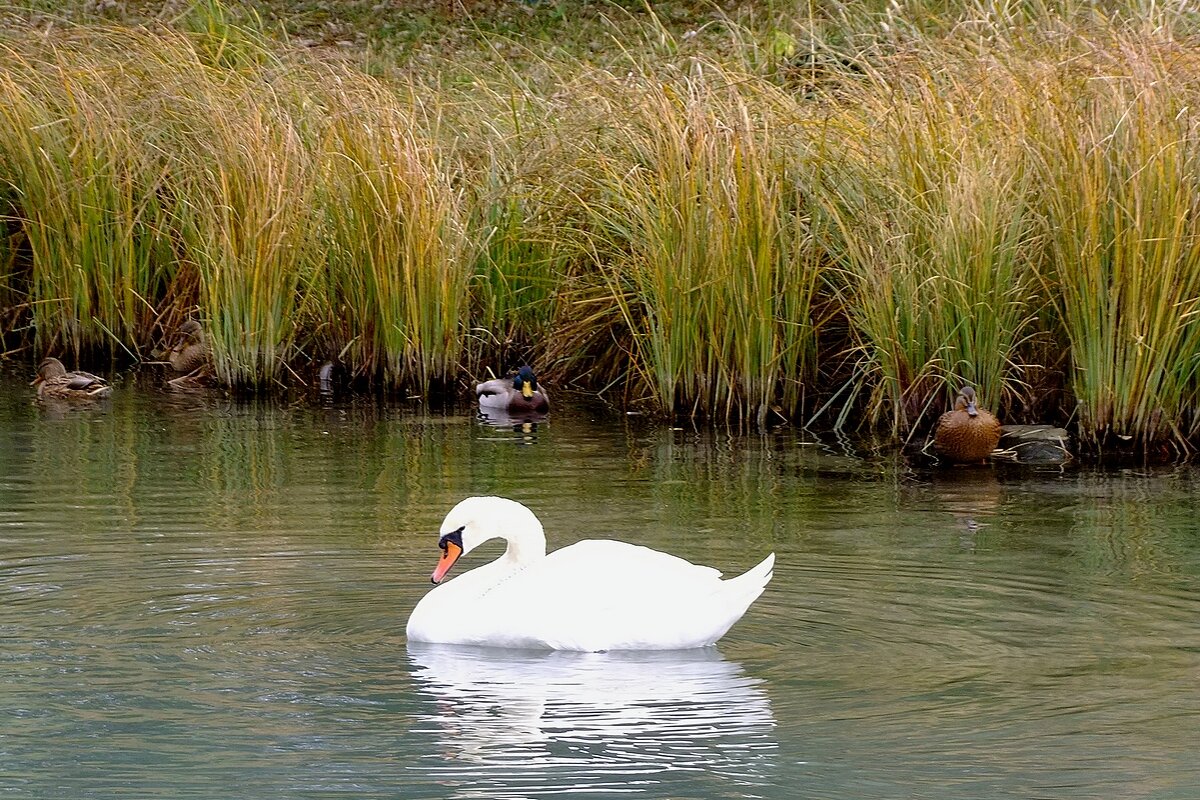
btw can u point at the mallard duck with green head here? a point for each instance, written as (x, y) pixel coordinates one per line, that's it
(519, 394)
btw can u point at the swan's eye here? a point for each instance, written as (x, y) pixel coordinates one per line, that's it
(454, 537)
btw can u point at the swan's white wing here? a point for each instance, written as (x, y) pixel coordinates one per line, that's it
(607, 595)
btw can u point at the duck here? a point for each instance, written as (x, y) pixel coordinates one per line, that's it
(53, 381)
(190, 351)
(518, 394)
(592, 596)
(967, 434)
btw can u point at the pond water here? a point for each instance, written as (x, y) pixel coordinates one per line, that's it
(205, 598)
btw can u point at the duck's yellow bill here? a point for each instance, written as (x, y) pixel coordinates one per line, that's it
(449, 556)
(527, 390)
(36, 380)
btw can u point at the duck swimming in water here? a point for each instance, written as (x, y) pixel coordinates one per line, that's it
(519, 394)
(53, 380)
(966, 434)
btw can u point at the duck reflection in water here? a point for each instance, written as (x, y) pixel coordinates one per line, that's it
(972, 497)
(525, 424)
(576, 720)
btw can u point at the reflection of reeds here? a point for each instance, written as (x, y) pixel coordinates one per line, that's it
(681, 232)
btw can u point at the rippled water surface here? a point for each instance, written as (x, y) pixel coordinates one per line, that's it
(202, 598)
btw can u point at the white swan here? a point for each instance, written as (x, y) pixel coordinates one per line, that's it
(593, 595)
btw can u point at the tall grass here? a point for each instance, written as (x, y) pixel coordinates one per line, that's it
(244, 227)
(517, 152)
(243, 178)
(396, 262)
(974, 196)
(73, 156)
(518, 272)
(705, 244)
(928, 219)
(1123, 158)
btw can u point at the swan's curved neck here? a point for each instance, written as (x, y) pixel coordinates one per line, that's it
(526, 542)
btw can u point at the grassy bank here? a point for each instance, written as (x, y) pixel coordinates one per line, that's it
(833, 217)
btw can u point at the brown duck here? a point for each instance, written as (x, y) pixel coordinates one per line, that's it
(190, 352)
(968, 433)
(53, 381)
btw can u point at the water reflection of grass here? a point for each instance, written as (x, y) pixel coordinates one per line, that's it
(799, 214)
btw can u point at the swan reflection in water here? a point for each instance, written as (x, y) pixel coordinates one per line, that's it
(521, 723)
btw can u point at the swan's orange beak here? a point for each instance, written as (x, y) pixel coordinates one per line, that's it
(527, 390)
(449, 555)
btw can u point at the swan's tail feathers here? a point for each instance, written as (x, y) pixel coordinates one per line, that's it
(746, 588)
(765, 568)
(733, 598)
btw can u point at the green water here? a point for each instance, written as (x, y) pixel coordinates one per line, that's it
(207, 599)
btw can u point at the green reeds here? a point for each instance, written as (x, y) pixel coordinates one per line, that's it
(521, 168)
(244, 219)
(394, 254)
(927, 216)
(519, 272)
(677, 228)
(241, 182)
(1122, 168)
(85, 190)
(704, 246)
(142, 176)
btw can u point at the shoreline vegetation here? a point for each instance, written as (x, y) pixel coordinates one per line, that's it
(835, 216)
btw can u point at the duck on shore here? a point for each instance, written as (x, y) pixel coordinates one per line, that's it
(53, 381)
(966, 434)
(190, 351)
(519, 394)
(190, 356)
